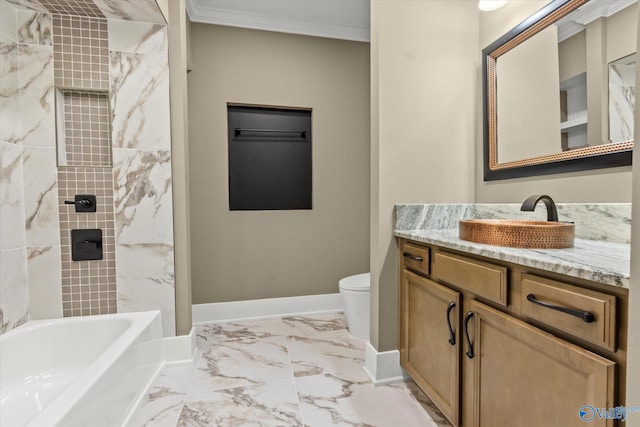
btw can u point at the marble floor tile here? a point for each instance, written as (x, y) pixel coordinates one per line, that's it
(329, 401)
(272, 404)
(418, 395)
(246, 330)
(203, 331)
(291, 371)
(163, 404)
(202, 334)
(242, 363)
(337, 353)
(324, 322)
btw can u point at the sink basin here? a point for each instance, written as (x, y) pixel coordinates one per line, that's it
(518, 234)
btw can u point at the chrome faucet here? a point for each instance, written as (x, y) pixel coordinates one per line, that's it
(532, 201)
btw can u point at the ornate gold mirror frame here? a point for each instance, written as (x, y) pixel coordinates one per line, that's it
(593, 157)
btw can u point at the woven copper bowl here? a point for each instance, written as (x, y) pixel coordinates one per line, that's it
(518, 234)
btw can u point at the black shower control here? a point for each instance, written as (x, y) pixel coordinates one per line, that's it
(86, 244)
(83, 203)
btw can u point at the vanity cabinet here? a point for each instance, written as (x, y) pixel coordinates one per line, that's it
(430, 351)
(498, 344)
(518, 375)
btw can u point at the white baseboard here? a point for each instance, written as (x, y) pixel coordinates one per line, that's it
(265, 308)
(179, 350)
(383, 367)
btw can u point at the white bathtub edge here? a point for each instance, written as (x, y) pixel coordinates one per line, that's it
(142, 396)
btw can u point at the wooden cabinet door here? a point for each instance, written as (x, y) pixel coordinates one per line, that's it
(522, 376)
(429, 340)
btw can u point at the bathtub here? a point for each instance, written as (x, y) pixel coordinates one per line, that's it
(79, 371)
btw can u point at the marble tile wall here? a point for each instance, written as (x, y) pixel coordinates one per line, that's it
(30, 238)
(37, 116)
(28, 5)
(142, 168)
(622, 97)
(130, 10)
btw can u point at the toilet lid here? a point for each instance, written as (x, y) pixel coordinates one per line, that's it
(358, 282)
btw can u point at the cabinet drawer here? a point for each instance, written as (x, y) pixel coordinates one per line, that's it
(415, 257)
(481, 278)
(586, 314)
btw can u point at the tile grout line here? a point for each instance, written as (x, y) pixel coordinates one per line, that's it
(293, 379)
(193, 375)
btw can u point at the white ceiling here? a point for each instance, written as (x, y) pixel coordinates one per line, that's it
(337, 19)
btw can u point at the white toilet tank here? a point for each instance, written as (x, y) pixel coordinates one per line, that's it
(356, 291)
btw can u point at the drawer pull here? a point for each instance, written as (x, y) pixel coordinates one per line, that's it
(413, 257)
(452, 337)
(468, 317)
(586, 316)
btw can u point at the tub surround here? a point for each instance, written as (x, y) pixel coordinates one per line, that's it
(601, 253)
(139, 189)
(142, 167)
(25, 67)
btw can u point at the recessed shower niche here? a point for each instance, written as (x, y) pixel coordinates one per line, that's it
(83, 121)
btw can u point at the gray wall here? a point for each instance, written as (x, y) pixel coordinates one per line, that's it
(178, 40)
(423, 113)
(245, 255)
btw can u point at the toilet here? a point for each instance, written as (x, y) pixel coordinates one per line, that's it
(356, 291)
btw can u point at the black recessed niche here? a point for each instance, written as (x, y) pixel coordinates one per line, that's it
(269, 158)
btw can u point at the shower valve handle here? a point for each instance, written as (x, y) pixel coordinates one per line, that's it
(83, 202)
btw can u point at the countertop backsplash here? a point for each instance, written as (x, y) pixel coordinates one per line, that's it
(606, 222)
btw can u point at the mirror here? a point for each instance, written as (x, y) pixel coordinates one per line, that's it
(559, 91)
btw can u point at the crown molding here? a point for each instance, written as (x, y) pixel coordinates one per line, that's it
(203, 12)
(594, 9)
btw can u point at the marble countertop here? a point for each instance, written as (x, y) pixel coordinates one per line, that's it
(603, 262)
